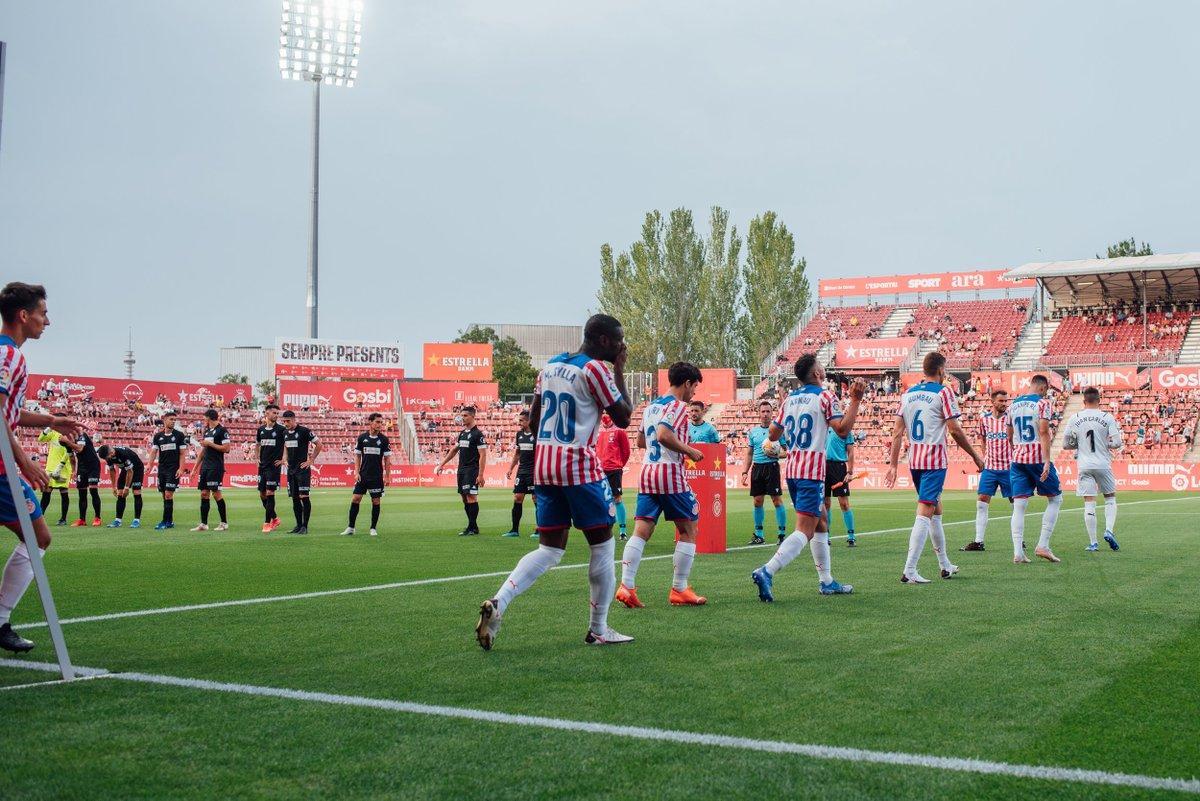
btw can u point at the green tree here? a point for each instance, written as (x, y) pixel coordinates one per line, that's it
(233, 378)
(511, 365)
(265, 388)
(777, 290)
(626, 294)
(721, 320)
(1127, 247)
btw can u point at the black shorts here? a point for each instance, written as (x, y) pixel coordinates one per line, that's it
(615, 478)
(168, 482)
(834, 473)
(299, 481)
(524, 484)
(468, 480)
(87, 480)
(764, 480)
(139, 475)
(372, 487)
(268, 477)
(210, 478)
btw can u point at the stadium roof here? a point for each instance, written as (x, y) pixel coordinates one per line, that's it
(1168, 276)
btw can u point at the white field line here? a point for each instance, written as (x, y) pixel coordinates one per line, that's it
(300, 596)
(52, 683)
(825, 752)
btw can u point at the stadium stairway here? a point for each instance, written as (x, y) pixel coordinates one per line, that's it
(1189, 351)
(1029, 345)
(895, 322)
(1074, 404)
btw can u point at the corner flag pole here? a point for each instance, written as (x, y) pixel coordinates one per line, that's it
(35, 555)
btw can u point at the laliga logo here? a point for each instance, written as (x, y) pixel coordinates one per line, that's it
(132, 392)
(1182, 480)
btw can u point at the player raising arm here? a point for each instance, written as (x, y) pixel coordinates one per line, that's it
(927, 412)
(804, 421)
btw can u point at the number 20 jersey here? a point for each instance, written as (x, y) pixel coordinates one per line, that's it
(804, 418)
(925, 408)
(574, 392)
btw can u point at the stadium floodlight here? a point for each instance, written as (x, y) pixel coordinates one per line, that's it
(319, 42)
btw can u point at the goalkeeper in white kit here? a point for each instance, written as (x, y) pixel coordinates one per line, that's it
(1094, 435)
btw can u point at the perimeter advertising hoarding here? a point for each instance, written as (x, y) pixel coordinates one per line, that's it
(1108, 378)
(378, 396)
(335, 358)
(719, 385)
(457, 361)
(867, 353)
(116, 390)
(965, 281)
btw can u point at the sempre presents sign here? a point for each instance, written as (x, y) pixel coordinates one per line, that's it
(719, 385)
(116, 390)
(1175, 378)
(334, 358)
(967, 281)
(457, 361)
(873, 352)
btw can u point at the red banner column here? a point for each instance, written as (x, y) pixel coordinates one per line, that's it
(707, 480)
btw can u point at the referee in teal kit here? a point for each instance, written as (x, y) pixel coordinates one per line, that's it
(839, 464)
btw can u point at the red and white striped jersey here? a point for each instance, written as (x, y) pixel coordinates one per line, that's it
(1023, 415)
(804, 417)
(663, 469)
(574, 391)
(925, 408)
(13, 377)
(998, 450)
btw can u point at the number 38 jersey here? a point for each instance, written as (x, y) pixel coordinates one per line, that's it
(804, 417)
(1023, 415)
(925, 408)
(574, 391)
(662, 470)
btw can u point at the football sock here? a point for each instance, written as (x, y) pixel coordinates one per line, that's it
(781, 519)
(527, 571)
(307, 510)
(981, 520)
(1049, 519)
(45, 500)
(375, 507)
(516, 516)
(137, 507)
(168, 510)
(96, 500)
(221, 510)
(18, 572)
(298, 511)
(204, 507)
(820, 555)
(938, 535)
(1110, 514)
(788, 550)
(1089, 520)
(601, 583)
(621, 514)
(630, 559)
(120, 507)
(473, 516)
(64, 498)
(353, 513)
(760, 515)
(1018, 525)
(685, 554)
(269, 509)
(848, 519)
(83, 501)
(916, 542)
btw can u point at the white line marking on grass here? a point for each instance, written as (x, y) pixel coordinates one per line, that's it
(825, 752)
(52, 683)
(300, 596)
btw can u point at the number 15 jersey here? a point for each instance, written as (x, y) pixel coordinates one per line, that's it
(1024, 415)
(574, 391)
(925, 408)
(804, 418)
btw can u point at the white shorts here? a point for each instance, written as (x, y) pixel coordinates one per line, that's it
(1096, 482)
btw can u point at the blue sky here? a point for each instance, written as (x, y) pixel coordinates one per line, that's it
(154, 167)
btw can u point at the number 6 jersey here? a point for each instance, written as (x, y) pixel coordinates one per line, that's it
(804, 418)
(925, 408)
(574, 391)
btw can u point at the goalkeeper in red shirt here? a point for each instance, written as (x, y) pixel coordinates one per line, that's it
(612, 446)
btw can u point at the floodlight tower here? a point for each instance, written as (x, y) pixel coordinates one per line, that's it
(319, 42)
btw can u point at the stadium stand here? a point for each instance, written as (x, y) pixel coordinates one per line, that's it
(1114, 335)
(979, 334)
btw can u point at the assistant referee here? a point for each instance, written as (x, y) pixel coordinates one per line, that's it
(839, 464)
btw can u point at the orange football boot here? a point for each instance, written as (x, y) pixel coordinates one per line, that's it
(628, 596)
(686, 597)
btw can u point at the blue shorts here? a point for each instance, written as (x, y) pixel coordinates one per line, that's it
(8, 512)
(928, 484)
(990, 480)
(671, 505)
(587, 506)
(808, 496)
(1026, 479)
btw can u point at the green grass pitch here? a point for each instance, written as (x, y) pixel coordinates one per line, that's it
(1093, 663)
